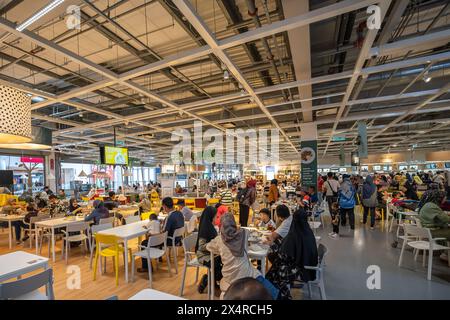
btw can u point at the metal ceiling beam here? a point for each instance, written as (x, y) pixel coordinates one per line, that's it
(190, 14)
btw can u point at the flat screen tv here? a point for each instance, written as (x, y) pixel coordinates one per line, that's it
(113, 155)
(447, 165)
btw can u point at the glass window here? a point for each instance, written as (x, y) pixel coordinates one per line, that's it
(28, 172)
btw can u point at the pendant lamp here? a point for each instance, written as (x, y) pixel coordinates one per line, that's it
(15, 116)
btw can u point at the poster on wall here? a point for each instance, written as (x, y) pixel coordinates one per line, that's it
(308, 156)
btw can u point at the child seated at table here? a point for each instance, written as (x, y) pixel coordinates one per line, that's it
(264, 220)
(153, 225)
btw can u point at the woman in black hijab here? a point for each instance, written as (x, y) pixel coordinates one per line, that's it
(298, 249)
(207, 232)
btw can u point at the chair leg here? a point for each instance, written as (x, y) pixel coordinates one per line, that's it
(90, 258)
(401, 252)
(309, 291)
(150, 280)
(424, 257)
(95, 265)
(67, 249)
(175, 259)
(196, 274)
(132, 270)
(430, 264)
(116, 267)
(209, 284)
(322, 290)
(183, 278)
(168, 262)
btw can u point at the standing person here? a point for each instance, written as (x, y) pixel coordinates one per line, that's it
(330, 189)
(369, 200)
(409, 189)
(207, 232)
(266, 194)
(274, 194)
(226, 198)
(246, 201)
(347, 202)
(298, 249)
(320, 182)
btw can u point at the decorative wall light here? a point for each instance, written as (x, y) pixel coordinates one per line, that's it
(41, 140)
(15, 116)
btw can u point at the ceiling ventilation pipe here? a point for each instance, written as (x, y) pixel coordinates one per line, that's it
(253, 12)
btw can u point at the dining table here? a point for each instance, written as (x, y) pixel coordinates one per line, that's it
(10, 219)
(18, 263)
(126, 233)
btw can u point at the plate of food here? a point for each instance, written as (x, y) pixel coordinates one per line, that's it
(307, 155)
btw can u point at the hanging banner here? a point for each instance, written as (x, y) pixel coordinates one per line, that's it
(362, 138)
(308, 156)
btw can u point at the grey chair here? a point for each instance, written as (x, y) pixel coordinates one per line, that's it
(322, 252)
(132, 219)
(27, 288)
(107, 220)
(82, 235)
(176, 234)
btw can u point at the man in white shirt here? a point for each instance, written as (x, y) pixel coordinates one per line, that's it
(330, 189)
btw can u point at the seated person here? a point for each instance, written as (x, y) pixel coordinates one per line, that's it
(74, 207)
(144, 203)
(19, 225)
(99, 212)
(265, 221)
(284, 218)
(55, 207)
(247, 289)
(111, 203)
(433, 217)
(61, 194)
(313, 197)
(187, 213)
(174, 220)
(153, 226)
(11, 207)
(396, 198)
(4, 190)
(297, 250)
(230, 244)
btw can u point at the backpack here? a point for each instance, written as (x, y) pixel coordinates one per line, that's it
(372, 202)
(345, 202)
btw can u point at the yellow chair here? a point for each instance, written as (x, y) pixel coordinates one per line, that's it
(108, 246)
(85, 199)
(213, 201)
(154, 199)
(146, 215)
(235, 207)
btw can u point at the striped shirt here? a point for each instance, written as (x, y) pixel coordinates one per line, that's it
(226, 198)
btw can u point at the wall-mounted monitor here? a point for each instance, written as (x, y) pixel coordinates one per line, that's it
(114, 155)
(376, 168)
(431, 166)
(319, 170)
(402, 167)
(364, 168)
(447, 165)
(414, 167)
(326, 170)
(342, 169)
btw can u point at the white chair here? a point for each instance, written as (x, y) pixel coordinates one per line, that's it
(191, 261)
(27, 288)
(31, 230)
(176, 234)
(94, 230)
(322, 252)
(107, 220)
(149, 252)
(414, 236)
(82, 228)
(132, 219)
(191, 225)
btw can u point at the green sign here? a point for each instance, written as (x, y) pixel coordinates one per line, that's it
(308, 157)
(120, 143)
(338, 138)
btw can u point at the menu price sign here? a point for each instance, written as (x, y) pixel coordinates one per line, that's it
(308, 156)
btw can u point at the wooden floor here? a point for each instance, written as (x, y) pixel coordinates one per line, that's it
(105, 286)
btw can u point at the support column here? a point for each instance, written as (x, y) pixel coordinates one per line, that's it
(51, 171)
(308, 155)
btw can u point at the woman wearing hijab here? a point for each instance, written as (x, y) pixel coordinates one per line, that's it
(207, 232)
(369, 200)
(231, 246)
(433, 217)
(246, 202)
(74, 207)
(347, 202)
(99, 212)
(298, 249)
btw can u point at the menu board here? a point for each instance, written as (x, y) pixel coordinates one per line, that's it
(376, 168)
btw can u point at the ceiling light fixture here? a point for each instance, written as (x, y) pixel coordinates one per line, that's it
(42, 139)
(15, 116)
(39, 15)
(226, 75)
(426, 77)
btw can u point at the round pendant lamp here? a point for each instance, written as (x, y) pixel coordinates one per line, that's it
(41, 140)
(15, 116)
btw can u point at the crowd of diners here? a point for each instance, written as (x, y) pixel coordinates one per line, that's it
(292, 244)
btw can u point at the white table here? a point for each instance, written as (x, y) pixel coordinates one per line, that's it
(10, 219)
(126, 233)
(151, 294)
(52, 224)
(16, 264)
